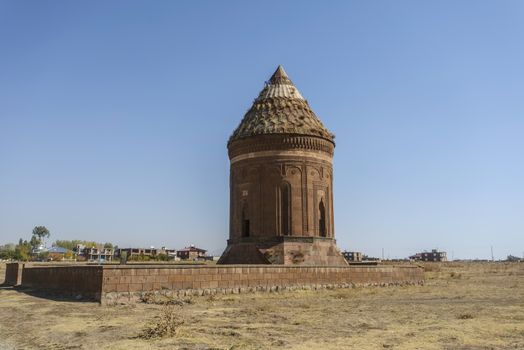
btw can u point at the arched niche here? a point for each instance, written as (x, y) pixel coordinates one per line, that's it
(322, 224)
(284, 212)
(245, 222)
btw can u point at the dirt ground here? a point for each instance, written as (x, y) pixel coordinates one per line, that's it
(461, 306)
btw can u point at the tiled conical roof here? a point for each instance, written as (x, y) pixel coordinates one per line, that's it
(280, 109)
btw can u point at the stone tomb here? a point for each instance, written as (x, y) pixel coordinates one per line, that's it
(281, 183)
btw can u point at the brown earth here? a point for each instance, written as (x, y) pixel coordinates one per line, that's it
(461, 306)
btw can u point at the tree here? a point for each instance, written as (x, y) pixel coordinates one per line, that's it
(41, 232)
(8, 247)
(71, 245)
(35, 242)
(22, 250)
(7, 251)
(108, 245)
(162, 257)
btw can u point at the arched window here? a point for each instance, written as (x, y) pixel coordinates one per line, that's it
(285, 204)
(322, 219)
(245, 220)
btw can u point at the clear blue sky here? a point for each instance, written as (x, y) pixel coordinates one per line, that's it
(114, 117)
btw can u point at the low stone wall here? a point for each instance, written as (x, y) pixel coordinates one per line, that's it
(130, 283)
(84, 281)
(127, 283)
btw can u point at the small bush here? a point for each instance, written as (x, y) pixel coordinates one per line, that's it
(455, 275)
(465, 316)
(165, 324)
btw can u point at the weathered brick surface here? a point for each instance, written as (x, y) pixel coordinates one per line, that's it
(225, 279)
(85, 280)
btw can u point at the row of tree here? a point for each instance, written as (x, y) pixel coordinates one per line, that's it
(71, 245)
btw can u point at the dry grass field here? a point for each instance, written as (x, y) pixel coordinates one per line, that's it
(461, 306)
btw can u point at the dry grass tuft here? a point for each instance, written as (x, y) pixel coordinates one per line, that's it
(455, 275)
(158, 299)
(432, 267)
(165, 324)
(465, 316)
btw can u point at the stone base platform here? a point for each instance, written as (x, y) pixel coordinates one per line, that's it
(128, 283)
(284, 250)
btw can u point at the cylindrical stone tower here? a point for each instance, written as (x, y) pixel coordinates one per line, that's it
(281, 183)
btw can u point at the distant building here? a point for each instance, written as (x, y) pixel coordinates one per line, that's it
(352, 256)
(39, 249)
(152, 253)
(58, 253)
(191, 253)
(96, 253)
(100, 254)
(434, 255)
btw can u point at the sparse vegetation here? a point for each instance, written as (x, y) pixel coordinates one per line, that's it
(71, 245)
(453, 274)
(165, 324)
(159, 299)
(482, 309)
(465, 316)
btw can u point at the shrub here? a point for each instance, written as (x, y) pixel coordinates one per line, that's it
(165, 324)
(465, 316)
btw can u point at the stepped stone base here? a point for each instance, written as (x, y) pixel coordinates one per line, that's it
(284, 250)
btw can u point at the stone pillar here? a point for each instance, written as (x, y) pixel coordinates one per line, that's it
(13, 274)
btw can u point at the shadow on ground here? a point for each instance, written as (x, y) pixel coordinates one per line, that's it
(49, 295)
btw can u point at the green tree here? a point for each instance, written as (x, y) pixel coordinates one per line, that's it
(108, 245)
(22, 250)
(7, 251)
(162, 257)
(8, 247)
(71, 245)
(35, 242)
(41, 232)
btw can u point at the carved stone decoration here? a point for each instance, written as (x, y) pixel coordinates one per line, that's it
(281, 199)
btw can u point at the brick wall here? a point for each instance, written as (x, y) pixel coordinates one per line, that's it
(130, 282)
(84, 280)
(111, 283)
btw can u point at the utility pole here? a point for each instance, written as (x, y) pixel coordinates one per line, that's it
(492, 257)
(452, 256)
(382, 253)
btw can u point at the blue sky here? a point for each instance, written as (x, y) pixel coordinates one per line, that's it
(114, 117)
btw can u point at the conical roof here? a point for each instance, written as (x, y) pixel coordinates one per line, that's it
(280, 109)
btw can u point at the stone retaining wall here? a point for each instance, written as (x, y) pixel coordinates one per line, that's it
(125, 283)
(83, 281)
